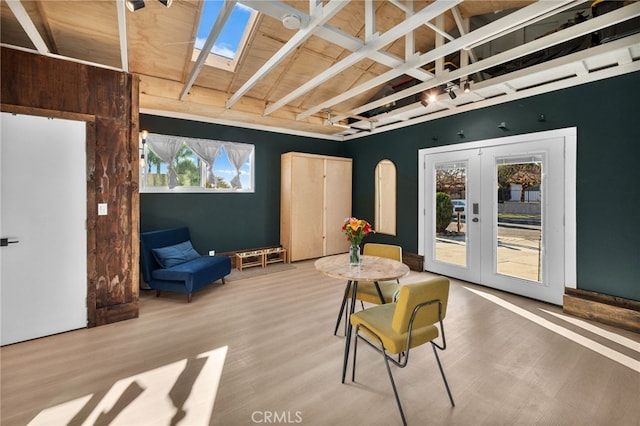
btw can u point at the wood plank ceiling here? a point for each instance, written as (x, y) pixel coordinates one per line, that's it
(371, 63)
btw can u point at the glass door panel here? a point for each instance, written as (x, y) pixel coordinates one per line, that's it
(453, 237)
(449, 212)
(519, 217)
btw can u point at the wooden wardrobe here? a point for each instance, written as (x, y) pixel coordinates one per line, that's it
(315, 200)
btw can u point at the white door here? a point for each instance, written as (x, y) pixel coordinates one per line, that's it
(515, 225)
(43, 272)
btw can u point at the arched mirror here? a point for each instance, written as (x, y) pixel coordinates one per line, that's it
(385, 217)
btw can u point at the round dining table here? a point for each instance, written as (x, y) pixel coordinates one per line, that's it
(371, 268)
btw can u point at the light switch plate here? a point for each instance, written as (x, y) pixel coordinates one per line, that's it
(102, 209)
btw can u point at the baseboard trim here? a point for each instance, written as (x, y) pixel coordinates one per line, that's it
(611, 310)
(414, 261)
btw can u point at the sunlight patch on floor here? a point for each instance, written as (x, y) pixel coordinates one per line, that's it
(571, 335)
(621, 340)
(182, 392)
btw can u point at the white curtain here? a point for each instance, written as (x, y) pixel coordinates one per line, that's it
(208, 150)
(238, 154)
(166, 147)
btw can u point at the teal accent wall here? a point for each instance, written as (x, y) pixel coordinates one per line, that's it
(235, 221)
(606, 114)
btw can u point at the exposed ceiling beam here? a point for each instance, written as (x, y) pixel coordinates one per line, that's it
(521, 23)
(415, 113)
(25, 21)
(376, 43)
(321, 15)
(349, 42)
(122, 32)
(409, 12)
(529, 13)
(221, 20)
(587, 27)
(463, 30)
(277, 10)
(369, 20)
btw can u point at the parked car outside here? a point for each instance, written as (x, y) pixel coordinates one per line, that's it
(459, 206)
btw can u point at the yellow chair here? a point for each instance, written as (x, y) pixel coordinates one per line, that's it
(395, 328)
(367, 291)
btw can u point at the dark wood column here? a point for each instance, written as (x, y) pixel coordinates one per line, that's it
(108, 100)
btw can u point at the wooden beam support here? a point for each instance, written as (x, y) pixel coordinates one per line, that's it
(611, 310)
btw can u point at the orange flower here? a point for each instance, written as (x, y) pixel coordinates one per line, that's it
(356, 229)
(354, 223)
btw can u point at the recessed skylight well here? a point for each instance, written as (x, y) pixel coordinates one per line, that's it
(233, 37)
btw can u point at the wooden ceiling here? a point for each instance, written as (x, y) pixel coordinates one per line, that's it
(346, 55)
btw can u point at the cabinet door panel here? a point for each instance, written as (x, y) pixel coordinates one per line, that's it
(307, 187)
(337, 204)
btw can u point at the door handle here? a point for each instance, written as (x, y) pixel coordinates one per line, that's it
(475, 219)
(5, 242)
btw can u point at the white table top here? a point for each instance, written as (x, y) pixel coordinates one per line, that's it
(372, 268)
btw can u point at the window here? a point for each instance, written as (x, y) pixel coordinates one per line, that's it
(180, 164)
(232, 38)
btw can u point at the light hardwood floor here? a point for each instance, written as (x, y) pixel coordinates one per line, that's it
(261, 351)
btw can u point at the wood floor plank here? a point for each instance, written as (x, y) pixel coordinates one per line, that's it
(283, 365)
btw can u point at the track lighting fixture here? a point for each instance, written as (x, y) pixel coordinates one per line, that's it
(467, 86)
(449, 89)
(134, 5)
(432, 97)
(423, 99)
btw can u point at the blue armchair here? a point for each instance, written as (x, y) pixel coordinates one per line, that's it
(169, 262)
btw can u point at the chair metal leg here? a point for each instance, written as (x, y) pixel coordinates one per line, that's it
(346, 321)
(393, 385)
(354, 290)
(355, 354)
(342, 306)
(446, 384)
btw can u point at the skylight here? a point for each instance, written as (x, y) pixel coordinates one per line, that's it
(229, 44)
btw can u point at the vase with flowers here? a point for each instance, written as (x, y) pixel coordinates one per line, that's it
(355, 230)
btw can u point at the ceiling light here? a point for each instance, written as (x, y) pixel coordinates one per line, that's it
(467, 86)
(291, 22)
(452, 94)
(432, 97)
(134, 5)
(167, 3)
(423, 99)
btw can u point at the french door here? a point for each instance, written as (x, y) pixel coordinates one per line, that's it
(512, 225)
